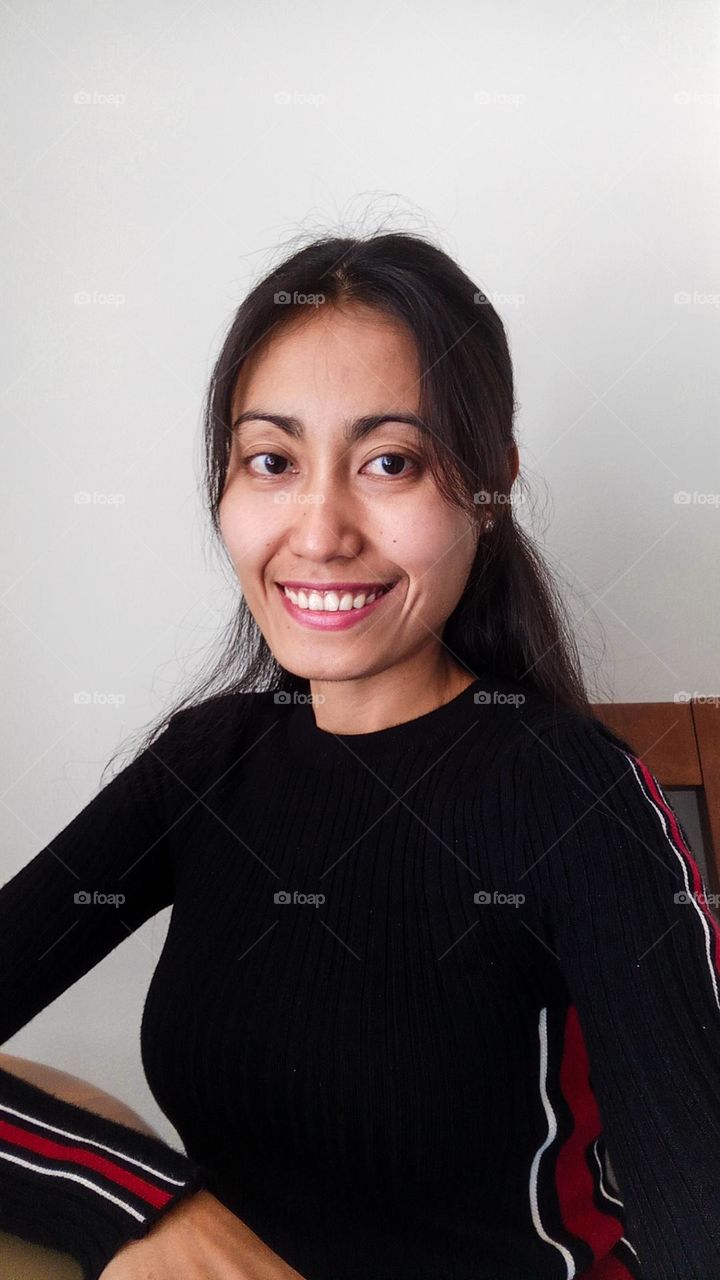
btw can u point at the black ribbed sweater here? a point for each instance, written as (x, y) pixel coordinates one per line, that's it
(418, 985)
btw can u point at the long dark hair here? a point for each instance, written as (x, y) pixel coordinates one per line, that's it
(510, 618)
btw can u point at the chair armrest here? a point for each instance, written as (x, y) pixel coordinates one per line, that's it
(73, 1089)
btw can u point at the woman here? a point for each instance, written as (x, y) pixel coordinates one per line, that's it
(427, 965)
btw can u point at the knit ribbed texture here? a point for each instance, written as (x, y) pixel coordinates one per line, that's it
(70, 1179)
(417, 985)
(617, 894)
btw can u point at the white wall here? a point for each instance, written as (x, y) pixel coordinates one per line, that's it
(566, 154)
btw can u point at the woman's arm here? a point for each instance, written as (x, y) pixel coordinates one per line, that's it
(197, 1237)
(70, 1178)
(616, 895)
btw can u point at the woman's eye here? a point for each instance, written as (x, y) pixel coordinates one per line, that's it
(390, 462)
(392, 465)
(276, 458)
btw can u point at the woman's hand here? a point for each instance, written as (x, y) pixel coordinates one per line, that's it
(198, 1239)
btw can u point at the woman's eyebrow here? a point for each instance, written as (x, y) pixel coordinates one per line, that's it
(353, 430)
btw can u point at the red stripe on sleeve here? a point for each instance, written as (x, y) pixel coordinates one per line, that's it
(609, 1269)
(574, 1181)
(685, 853)
(52, 1150)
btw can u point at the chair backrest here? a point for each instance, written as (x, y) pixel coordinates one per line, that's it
(680, 742)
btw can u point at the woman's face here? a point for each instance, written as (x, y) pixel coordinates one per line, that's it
(308, 504)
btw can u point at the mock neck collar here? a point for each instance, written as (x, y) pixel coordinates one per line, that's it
(317, 747)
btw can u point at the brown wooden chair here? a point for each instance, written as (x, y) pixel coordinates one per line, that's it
(680, 742)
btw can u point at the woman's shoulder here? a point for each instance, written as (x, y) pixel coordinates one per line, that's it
(525, 716)
(564, 754)
(218, 709)
(212, 729)
(566, 729)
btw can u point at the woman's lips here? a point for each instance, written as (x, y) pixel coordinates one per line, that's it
(333, 620)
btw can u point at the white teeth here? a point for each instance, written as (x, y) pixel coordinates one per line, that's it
(330, 601)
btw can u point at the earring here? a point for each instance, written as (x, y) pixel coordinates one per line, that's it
(490, 522)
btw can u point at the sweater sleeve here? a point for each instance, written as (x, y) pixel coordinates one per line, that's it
(70, 1179)
(618, 897)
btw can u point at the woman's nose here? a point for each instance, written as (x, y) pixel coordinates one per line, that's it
(325, 522)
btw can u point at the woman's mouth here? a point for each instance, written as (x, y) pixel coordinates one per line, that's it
(332, 610)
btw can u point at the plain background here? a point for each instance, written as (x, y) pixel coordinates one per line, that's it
(156, 162)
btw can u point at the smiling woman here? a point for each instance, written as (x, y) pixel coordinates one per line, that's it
(426, 952)
(349, 513)
(365, 439)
